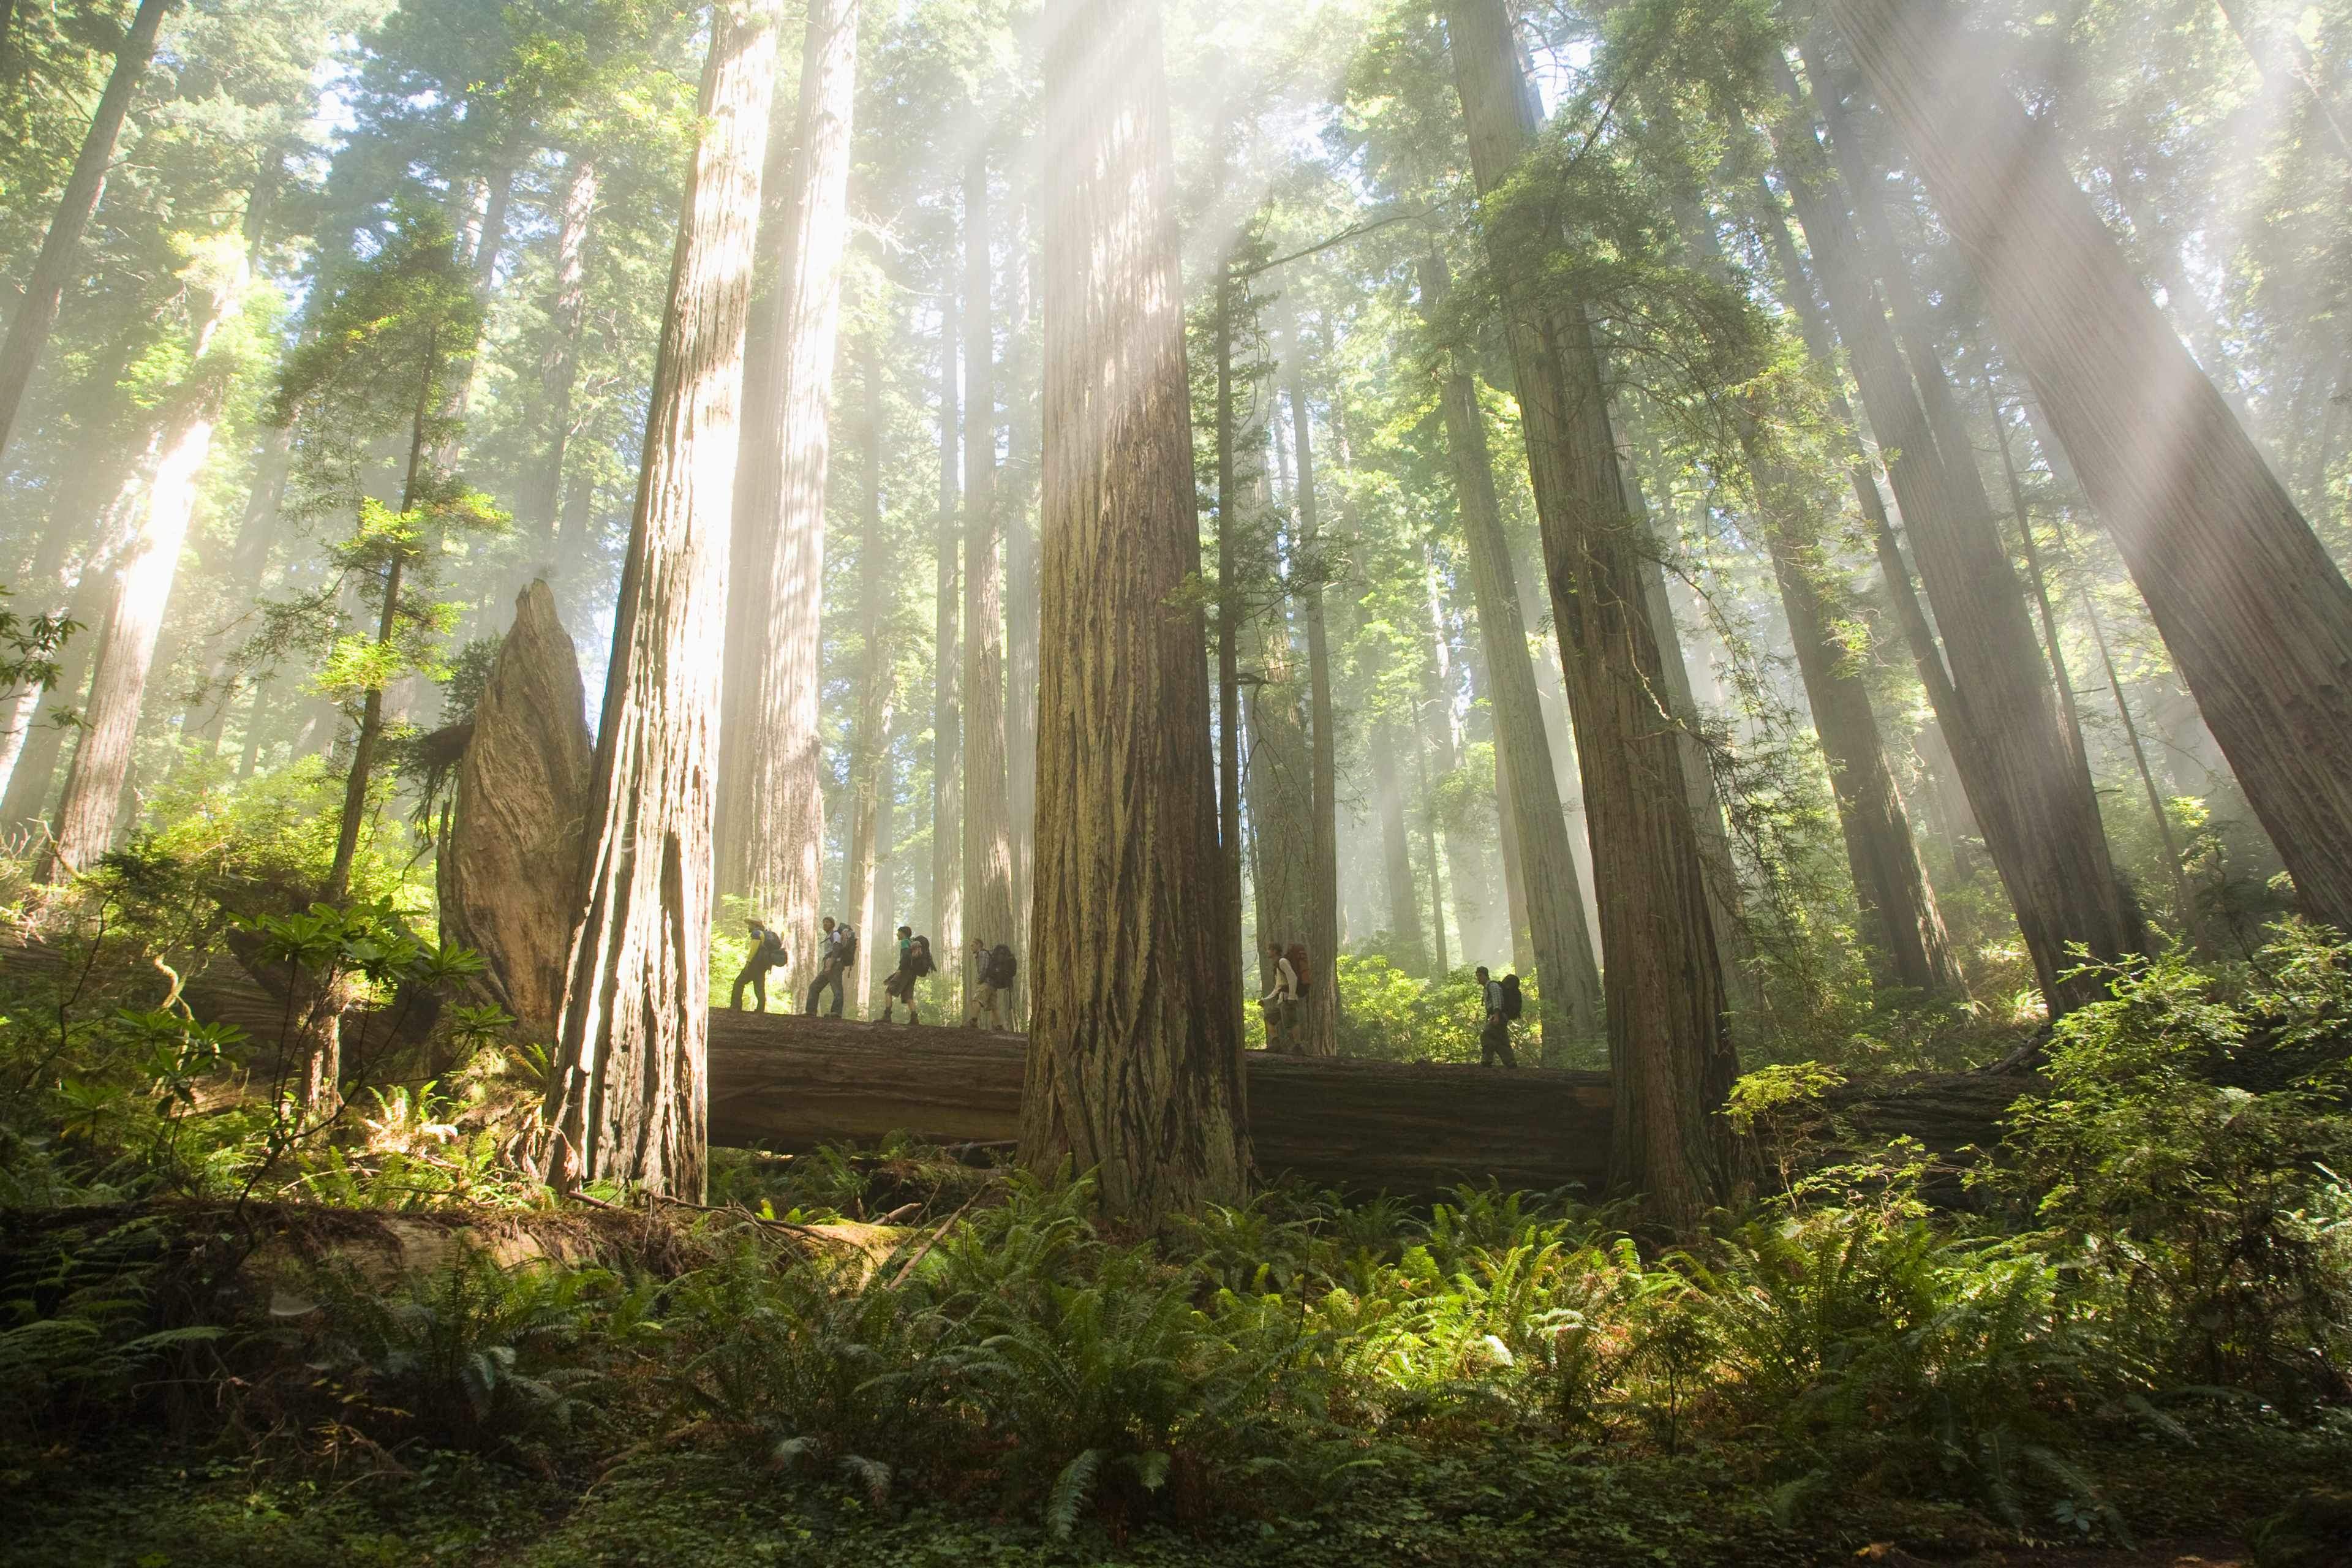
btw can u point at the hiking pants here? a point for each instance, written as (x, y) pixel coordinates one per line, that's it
(984, 1001)
(756, 977)
(829, 975)
(1495, 1040)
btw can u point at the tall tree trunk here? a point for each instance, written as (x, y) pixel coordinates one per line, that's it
(558, 367)
(1441, 966)
(1403, 900)
(1473, 891)
(947, 661)
(45, 290)
(248, 567)
(2256, 616)
(869, 744)
(788, 448)
(1014, 509)
(1670, 1053)
(1277, 793)
(1901, 923)
(1569, 981)
(1134, 1067)
(1322, 932)
(987, 828)
(2025, 783)
(100, 769)
(1514, 859)
(629, 1099)
(1229, 620)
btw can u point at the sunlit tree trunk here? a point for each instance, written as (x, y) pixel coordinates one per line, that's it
(2025, 782)
(142, 591)
(1568, 979)
(2255, 614)
(947, 661)
(1134, 1066)
(559, 368)
(1669, 1054)
(1440, 965)
(869, 740)
(987, 828)
(248, 565)
(788, 447)
(1277, 793)
(1322, 930)
(629, 1096)
(1014, 507)
(1403, 900)
(1472, 894)
(1229, 618)
(53, 269)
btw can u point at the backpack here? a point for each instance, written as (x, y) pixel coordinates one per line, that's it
(1002, 967)
(848, 947)
(1297, 956)
(1512, 1005)
(918, 958)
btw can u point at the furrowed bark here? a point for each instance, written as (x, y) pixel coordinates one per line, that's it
(987, 829)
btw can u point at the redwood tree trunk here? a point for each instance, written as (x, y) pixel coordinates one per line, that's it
(1568, 983)
(1669, 1054)
(2024, 780)
(45, 290)
(559, 369)
(869, 741)
(788, 448)
(987, 827)
(1322, 932)
(1403, 900)
(1134, 1066)
(947, 663)
(2255, 613)
(629, 1099)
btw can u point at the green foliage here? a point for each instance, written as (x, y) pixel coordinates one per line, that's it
(1389, 1016)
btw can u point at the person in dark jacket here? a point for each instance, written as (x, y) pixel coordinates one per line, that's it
(1495, 1037)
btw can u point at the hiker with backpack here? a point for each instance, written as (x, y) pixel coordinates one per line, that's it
(1285, 1003)
(767, 952)
(992, 970)
(1501, 1000)
(914, 963)
(836, 956)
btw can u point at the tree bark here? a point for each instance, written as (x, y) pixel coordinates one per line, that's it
(1441, 967)
(1405, 938)
(947, 660)
(558, 367)
(1569, 981)
(987, 827)
(1134, 1067)
(788, 447)
(1014, 508)
(1322, 932)
(2256, 616)
(1277, 793)
(100, 769)
(2024, 782)
(629, 1097)
(1671, 1057)
(869, 741)
(1229, 620)
(45, 290)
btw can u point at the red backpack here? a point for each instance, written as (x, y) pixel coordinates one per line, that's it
(1297, 956)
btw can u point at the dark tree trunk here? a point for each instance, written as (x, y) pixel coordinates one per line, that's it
(629, 1097)
(45, 290)
(1322, 932)
(2255, 613)
(1134, 1066)
(1670, 1053)
(987, 827)
(946, 660)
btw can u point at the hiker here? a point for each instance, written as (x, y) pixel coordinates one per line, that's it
(835, 955)
(914, 963)
(992, 969)
(767, 952)
(1501, 1003)
(1281, 1003)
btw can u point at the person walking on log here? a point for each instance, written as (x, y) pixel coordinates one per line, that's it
(1281, 1003)
(914, 963)
(1495, 1036)
(767, 952)
(836, 954)
(992, 969)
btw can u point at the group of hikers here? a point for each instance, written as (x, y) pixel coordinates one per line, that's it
(1286, 1006)
(993, 969)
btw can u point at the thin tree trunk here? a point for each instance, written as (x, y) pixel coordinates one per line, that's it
(987, 829)
(1134, 1067)
(2256, 616)
(249, 566)
(2024, 780)
(99, 772)
(559, 368)
(1322, 932)
(947, 660)
(1670, 1053)
(788, 448)
(53, 269)
(1405, 938)
(869, 747)
(1277, 793)
(1514, 859)
(1569, 981)
(1014, 509)
(629, 1099)
(1472, 891)
(1229, 618)
(2024, 516)
(1443, 966)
